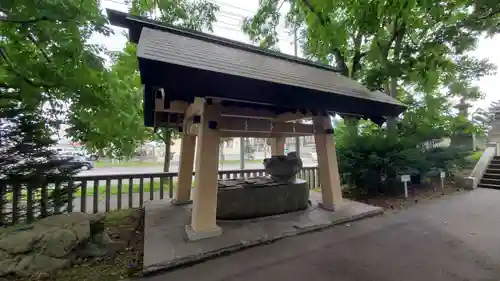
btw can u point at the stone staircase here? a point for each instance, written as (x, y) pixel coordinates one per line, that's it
(491, 177)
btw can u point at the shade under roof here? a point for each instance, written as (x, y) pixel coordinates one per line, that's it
(188, 64)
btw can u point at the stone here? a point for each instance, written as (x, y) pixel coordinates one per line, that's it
(101, 245)
(7, 266)
(58, 243)
(266, 199)
(20, 242)
(283, 168)
(35, 263)
(82, 231)
(54, 243)
(200, 235)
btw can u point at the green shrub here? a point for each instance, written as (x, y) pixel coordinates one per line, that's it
(371, 163)
(476, 155)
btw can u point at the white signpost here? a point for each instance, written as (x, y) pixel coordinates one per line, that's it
(442, 175)
(405, 179)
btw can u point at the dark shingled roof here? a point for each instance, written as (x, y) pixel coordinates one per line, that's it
(189, 64)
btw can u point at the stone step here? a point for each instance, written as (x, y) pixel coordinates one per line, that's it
(491, 175)
(484, 185)
(490, 181)
(492, 171)
(494, 166)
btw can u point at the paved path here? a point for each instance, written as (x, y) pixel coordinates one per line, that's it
(452, 239)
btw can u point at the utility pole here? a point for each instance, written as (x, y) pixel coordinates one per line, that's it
(242, 153)
(295, 53)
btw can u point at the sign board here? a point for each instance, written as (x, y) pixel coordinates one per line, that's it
(405, 178)
(442, 175)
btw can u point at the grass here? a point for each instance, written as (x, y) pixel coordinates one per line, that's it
(102, 164)
(101, 190)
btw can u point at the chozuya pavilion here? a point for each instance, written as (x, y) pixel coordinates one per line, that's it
(210, 87)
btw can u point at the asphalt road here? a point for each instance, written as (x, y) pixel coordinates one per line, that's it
(452, 239)
(174, 167)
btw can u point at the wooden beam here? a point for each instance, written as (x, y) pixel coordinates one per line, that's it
(195, 108)
(289, 116)
(260, 125)
(229, 111)
(329, 178)
(175, 106)
(234, 134)
(243, 112)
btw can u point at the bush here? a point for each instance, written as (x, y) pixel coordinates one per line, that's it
(371, 163)
(476, 155)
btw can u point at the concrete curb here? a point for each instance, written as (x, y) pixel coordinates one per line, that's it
(191, 260)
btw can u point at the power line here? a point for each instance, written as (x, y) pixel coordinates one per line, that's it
(226, 14)
(231, 6)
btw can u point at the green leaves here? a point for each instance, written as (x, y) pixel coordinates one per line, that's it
(112, 120)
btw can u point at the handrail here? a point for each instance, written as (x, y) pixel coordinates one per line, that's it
(164, 174)
(103, 193)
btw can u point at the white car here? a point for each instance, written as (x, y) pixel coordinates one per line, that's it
(314, 156)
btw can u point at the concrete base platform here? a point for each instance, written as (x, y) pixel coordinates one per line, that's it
(166, 244)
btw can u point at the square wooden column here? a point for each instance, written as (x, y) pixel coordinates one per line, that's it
(278, 146)
(203, 217)
(329, 178)
(184, 180)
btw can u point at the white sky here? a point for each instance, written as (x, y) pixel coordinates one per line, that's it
(229, 25)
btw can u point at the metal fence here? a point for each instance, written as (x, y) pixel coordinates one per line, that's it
(104, 193)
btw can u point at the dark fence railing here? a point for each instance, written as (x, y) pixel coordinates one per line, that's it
(104, 193)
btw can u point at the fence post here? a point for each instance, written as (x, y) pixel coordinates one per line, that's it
(16, 189)
(3, 187)
(29, 202)
(71, 184)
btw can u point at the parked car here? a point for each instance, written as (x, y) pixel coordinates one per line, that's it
(314, 155)
(75, 162)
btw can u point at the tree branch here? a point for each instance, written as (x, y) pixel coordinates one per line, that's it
(320, 17)
(342, 66)
(36, 84)
(356, 60)
(35, 42)
(39, 18)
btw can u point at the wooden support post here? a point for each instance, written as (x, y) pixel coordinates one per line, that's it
(278, 146)
(203, 217)
(327, 163)
(184, 180)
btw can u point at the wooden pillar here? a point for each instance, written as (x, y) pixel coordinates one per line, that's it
(329, 178)
(184, 180)
(203, 217)
(278, 146)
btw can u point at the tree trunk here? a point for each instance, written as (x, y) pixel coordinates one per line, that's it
(392, 84)
(168, 142)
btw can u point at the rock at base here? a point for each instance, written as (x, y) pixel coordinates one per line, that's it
(35, 263)
(54, 243)
(58, 243)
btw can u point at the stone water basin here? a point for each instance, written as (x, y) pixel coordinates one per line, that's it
(259, 197)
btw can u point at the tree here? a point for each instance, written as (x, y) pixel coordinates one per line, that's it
(123, 130)
(45, 62)
(384, 44)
